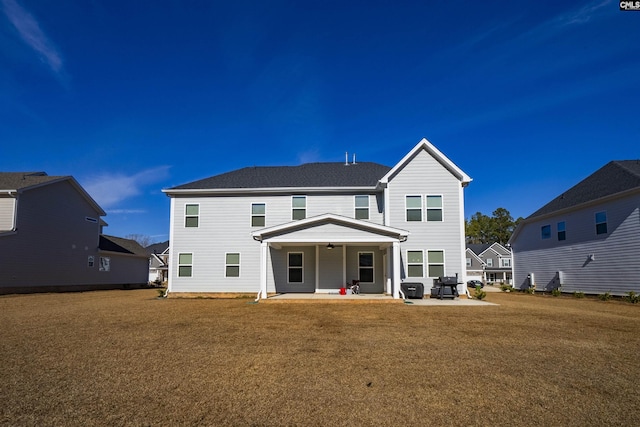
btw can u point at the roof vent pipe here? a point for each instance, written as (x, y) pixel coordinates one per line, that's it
(346, 158)
(354, 158)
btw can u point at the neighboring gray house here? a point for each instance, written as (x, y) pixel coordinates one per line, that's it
(489, 263)
(587, 239)
(318, 226)
(50, 239)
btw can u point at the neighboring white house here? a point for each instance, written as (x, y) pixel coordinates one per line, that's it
(51, 239)
(587, 239)
(489, 263)
(158, 262)
(318, 226)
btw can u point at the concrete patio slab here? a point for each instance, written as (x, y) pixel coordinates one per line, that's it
(371, 299)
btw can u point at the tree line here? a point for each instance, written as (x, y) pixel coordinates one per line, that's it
(498, 227)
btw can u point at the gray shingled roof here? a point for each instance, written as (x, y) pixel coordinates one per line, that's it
(614, 177)
(478, 248)
(364, 174)
(118, 244)
(20, 180)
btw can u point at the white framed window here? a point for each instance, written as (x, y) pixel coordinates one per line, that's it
(295, 267)
(232, 264)
(435, 263)
(489, 262)
(601, 222)
(185, 264)
(434, 208)
(366, 272)
(258, 214)
(298, 207)
(90, 261)
(361, 207)
(415, 264)
(413, 205)
(191, 215)
(505, 262)
(105, 264)
(468, 262)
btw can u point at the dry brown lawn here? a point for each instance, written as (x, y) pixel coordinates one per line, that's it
(127, 358)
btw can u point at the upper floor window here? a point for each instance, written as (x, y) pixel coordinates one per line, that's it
(414, 208)
(191, 215)
(232, 265)
(365, 267)
(435, 263)
(601, 223)
(545, 231)
(489, 262)
(505, 262)
(415, 264)
(258, 211)
(295, 267)
(185, 264)
(468, 262)
(362, 207)
(298, 207)
(562, 231)
(434, 208)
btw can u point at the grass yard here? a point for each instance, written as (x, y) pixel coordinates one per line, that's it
(126, 358)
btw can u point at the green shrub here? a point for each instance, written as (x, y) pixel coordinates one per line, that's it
(578, 294)
(530, 290)
(605, 297)
(632, 297)
(506, 288)
(479, 293)
(161, 292)
(556, 292)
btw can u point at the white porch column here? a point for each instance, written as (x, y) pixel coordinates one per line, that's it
(263, 269)
(396, 270)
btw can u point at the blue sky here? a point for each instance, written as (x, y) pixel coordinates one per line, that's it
(130, 97)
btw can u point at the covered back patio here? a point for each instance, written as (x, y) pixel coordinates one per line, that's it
(320, 255)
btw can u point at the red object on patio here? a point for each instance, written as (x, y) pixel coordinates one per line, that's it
(343, 291)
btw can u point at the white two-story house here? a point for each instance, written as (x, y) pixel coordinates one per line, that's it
(319, 226)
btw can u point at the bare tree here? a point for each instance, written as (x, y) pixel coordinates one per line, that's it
(143, 240)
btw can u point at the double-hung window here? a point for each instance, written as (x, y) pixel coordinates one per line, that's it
(434, 208)
(415, 264)
(232, 264)
(414, 208)
(601, 223)
(365, 267)
(295, 267)
(362, 207)
(505, 262)
(435, 262)
(191, 215)
(185, 265)
(298, 207)
(258, 214)
(562, 231)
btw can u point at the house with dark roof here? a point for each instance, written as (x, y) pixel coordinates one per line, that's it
(51, 239)
(158, 262)
(585, 240)
(317, 227)
(489, 263)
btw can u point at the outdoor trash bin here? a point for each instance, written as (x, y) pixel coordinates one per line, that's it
(412, 289)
